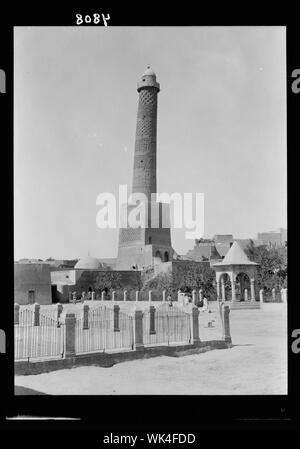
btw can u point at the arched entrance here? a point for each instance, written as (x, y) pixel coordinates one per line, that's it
(225, 287)
(158, 254)
(243, 292)
(166, 256)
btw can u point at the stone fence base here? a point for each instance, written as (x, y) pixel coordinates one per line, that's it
(110, 359)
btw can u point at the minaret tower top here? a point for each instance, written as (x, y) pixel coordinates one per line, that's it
(148, 80)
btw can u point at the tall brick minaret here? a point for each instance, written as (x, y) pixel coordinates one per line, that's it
(143, 247)
(144, 169)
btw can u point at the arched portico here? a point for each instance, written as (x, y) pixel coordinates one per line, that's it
(238, 268)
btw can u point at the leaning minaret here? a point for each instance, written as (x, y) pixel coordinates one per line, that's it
(144, 246)
(144, 169)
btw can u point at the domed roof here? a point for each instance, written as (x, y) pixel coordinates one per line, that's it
(88, 263)
(149, 71)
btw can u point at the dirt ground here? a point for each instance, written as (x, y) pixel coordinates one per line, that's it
(256, 364)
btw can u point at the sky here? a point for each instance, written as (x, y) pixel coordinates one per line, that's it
(221, 129)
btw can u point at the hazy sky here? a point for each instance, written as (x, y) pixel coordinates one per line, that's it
(221, 129)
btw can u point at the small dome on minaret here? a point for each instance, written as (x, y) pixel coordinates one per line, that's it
(149, 72)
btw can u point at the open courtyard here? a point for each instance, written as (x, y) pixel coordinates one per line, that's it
(256, 364)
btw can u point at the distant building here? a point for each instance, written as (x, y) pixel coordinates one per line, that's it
(273, 238)
(83, 276)
(204, 250)
(32, 283)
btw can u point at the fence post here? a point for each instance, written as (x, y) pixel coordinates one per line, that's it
(36, 314)
(102, 295)
(17, 314)
(93, 296)
(113, 295)
(116, 318)
(194, 297)
(245, 295)
(86, 316)
(70, 323)
(164, 295)
(200, 294)
(273, 294)
(152, 320)
(138, 330)
(137, 295)
(59, 309)
(178, 295)
(261, 296)
(226, 325)
(125, 295)
(82, 296)
(195, 325)
(150, 296)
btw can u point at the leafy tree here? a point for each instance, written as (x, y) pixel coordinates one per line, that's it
(108, 280)
(272, 268)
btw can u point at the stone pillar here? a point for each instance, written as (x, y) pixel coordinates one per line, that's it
(273, 294)
(283, 295)
(93, 296)
(218, 291)
(194, 297)
(245, 295)
(86, 316)
(200, 294)
(252, 289)
(150, 295)
(125, 295)
(70, 323)
(223, 289)
(195, 325)
(113, 295)
(102, 295)
(116, 318)
(152, 320)
(226, 324)
(36, 314)
(137, 296)
(233, 291)
(164, 295)
(59, 309)
(17, 314)
(261, 296)
(138, 330)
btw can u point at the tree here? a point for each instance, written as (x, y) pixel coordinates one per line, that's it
(272, 268)
(108, 280)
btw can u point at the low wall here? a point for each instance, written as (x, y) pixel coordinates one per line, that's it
(108, 359)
